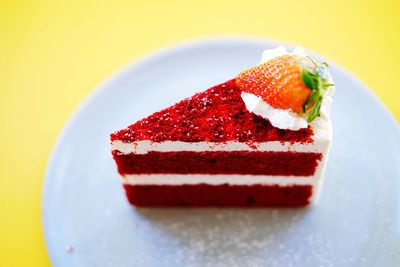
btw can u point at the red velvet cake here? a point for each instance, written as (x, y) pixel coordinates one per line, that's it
(229, 146)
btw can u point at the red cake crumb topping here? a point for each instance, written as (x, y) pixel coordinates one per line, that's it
(215, 115)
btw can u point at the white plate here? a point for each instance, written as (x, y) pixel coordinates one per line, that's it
(88, 222)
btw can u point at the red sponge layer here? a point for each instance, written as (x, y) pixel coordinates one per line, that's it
(219, 162)
(203, 195)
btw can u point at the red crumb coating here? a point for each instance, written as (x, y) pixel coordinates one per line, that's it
(219, 162)
(215, 115)
(203, 195)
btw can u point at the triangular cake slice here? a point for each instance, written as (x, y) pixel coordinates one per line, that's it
(209, 150)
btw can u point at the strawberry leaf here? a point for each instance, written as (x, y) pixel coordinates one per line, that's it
(315, 80)
(307, 79)
(314, 111)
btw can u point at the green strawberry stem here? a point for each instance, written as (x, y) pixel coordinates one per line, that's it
(314, 79)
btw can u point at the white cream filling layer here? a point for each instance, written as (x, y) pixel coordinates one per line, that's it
(143, 147)
(217, 179)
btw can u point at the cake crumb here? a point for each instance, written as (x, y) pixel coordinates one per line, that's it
(69, 248)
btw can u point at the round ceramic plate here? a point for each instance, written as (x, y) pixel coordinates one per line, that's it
(88, 221)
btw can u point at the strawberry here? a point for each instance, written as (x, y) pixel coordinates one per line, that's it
(287, 82)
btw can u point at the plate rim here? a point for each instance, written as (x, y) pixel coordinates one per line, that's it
(156, 54)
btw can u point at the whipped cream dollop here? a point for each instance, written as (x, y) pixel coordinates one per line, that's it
(283, 118)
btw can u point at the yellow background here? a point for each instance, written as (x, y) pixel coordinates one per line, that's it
(53, 53)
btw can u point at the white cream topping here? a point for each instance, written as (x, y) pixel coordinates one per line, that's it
(280, 118)
(286, 119)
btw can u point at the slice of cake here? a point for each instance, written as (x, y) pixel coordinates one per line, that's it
(261, 139)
